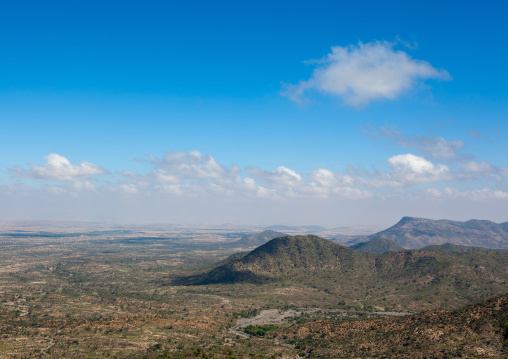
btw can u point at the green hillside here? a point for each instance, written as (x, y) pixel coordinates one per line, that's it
(476, 331)
(410, 279)
(378, 246)
(256, 239)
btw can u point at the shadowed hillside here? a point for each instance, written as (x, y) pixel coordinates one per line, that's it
(290, 257)
(421, 232)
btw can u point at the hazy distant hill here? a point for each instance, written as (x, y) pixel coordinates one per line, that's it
(420, 232)
(432, 277)
(257, 239)
(307, 229)
(378, 246)
(281, 227)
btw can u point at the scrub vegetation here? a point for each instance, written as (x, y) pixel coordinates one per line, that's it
(146, 295)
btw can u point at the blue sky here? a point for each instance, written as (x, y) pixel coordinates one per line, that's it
(255, 112)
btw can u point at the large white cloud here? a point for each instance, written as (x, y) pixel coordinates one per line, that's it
(59, 168)
(366, 72)
(410, 169)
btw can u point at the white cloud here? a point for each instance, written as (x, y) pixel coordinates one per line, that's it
(474, 167)
(366, 72)
(197, 183)
(59, 168)
(163, 176)
(249, 183)
(129, 188)
(263, 192)
(437, 147)
(282, 176)
(409, 169)
(473, 170)
(176, 167)
(327, 178)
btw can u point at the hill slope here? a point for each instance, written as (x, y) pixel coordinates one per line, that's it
(412, 232)
(410, 279)
(289, 257)
(378, 246)
(475, 331)
(257, 239)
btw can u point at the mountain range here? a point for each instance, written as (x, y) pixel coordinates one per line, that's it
(412, 232)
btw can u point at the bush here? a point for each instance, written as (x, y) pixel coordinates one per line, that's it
(259, 331)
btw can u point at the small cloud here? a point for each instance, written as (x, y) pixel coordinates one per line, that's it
(263, 192)
(282, 176)
(327, 178)
(176, 167)
(472, 170)
(59, 168)
(475, 167)
(129, 174)
(363, 73)
(409, 169)
(474, 134)
(129, 188)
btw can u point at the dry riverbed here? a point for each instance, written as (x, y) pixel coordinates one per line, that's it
(275, 316)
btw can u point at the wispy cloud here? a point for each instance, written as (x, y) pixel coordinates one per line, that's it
(435, 147)
(327, 178)
(473, 170)
(476, 195)
(363, 73)
(282, 176)
(59, 168)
